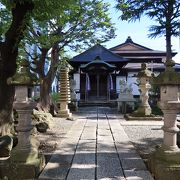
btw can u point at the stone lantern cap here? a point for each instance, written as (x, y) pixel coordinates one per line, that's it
(168, 77)
(23, 76)
(144, 71)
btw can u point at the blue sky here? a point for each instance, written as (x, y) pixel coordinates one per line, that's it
(139, 33)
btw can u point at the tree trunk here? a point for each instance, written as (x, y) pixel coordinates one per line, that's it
(169, 32)
(45, 89)
(46, 81)
(8, 55)
(168, 44)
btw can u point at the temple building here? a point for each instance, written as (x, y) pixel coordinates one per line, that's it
(98, 71)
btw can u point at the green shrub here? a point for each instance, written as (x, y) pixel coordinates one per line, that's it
(55, 97)
(156, 111)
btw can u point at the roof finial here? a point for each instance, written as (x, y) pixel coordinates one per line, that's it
(97, 58)
(128, 40)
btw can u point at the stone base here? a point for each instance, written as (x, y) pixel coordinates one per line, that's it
(143, 111)
(165, 165)
(26, 153)
(14, 170)
(129, 117)
(73, 106)
(6, 144)
(64, 114)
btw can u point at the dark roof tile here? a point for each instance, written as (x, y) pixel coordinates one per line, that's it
(98, 50)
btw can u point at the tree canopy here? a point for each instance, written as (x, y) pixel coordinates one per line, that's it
(18, 12)
(166, 14)
(78, 22)
(15, 17)
(77, 25)
(49, 26)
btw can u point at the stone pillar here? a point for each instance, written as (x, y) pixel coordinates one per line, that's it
(64, 94)
(25, 160)
(169, 104)
(27, 147)
(165, 161)
(144, 77)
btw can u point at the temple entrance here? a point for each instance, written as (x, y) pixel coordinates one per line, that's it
(96, 82)
(98, 87)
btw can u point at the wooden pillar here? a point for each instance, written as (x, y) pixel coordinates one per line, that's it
(97, 85)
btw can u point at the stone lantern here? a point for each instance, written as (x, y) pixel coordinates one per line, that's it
(165, 161)
(25, 156)
(144, 77)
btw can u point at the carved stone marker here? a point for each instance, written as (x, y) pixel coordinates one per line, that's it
(125, 97)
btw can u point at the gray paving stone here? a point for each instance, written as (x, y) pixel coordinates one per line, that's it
(124, 146)
(75, 157)
(89, 127)
(91, 123)
(92, 117)
(58, 167)
(89, 136)
(108, 148)
(104, 162)
(113, 178)
(89, 130)
(74, 134)
(105, 139)
(124, 155)
(83, 166)
(103, 123)
(60, 162)
(138, 175)
(106, 134)
(103, 128)
(133, 164)
(104, 131)
(68, 143)
(55, 173)
(87, 146)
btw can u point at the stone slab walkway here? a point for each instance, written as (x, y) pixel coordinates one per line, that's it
(96, 147)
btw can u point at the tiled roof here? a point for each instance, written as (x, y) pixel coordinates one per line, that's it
(129, 41)
(102, 52)
(131, 66)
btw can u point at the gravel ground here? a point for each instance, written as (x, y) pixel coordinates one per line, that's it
(49, 140)
(145, 138)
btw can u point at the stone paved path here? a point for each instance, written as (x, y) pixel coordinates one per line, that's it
(96, 147)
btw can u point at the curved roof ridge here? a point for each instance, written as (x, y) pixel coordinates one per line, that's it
(129, 41)
(98, 50)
